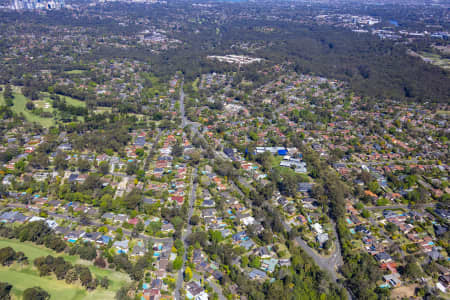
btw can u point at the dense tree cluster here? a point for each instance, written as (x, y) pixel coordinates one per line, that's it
(36, 232)
(9, 256)
(65, 271)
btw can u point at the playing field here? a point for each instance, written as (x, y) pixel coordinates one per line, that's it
(19, 107)
(23, 277)
(46, 104)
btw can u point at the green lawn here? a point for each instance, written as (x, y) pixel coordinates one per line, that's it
(75, 72)
(24, 277)
(30, 250)
(195, 84)
(68, 99)
(436, 59)
(101, 109)
(19, 107)
(73, 101)
(20, 101)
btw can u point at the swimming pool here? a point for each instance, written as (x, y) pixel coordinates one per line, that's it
(349, 221)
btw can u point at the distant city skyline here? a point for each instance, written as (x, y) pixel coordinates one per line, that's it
(37, 4)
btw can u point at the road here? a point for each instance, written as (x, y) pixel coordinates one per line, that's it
(214, 286)
(329, 263)
(187, 233)
(152, 151)
(325, 263)
(399, 206)
(388, 162)
(195, 128)
(182, 113)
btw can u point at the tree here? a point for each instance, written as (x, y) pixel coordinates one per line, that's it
(84, 274)
(35, 293)
(122, 293)
(365, 213)
(177, 263)
(8, 95)
(244, 261)
(140, 226)
(327, 245)
(134, 232)
(5, 289)
(39, 160)
(188, 274)
(391, 227)
(140, 152)
(412, 269)
(132, 168)
(71, 276)
(255, 262)
(103, 167)
(133, 200)
(100, 262)
(177, 150)
(29, 105)
(195, 220)
(83, 165)
(104, 282)
(3, 190)
(373, 186)
(60, 161)
(7, 256)
(195, 157)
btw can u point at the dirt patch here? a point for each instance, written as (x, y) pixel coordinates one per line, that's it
(403, 292)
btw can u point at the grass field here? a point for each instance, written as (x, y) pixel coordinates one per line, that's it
(436, 59)
(46, 104)
(101, 109)
(68, 99)
(74, 102)
(19, 107)
(23, 277)
(75, 72)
